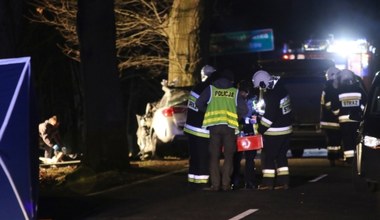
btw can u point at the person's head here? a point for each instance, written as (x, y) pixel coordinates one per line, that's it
(261, 79)
(244, 88)
(346, 77)
(206, 72)
(227, 74)
(54, 121)
(331, 73)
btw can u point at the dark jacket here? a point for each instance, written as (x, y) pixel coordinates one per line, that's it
(328, 119)
(278, 117)
(195, 117)
(349, 103)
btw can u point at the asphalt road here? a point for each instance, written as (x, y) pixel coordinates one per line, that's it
(317, 191)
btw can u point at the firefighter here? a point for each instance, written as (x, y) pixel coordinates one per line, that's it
(349, 105)
(329, 121)
(276, 127)
(198, 137)
(223, 107)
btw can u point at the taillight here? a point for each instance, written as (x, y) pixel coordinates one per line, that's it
(168, 112)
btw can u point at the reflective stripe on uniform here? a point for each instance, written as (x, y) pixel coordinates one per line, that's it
(229, 119)
(268, 173)
(328, 105)
(345, 118)
(279, 131)
(349, 153)
(282, 171)
(266, 122)
(333, 148)
(329, 125)
(196, 131)
(350, 95)
(192, 93)
(192, 178)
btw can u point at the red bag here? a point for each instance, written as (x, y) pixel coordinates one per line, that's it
(254, 142)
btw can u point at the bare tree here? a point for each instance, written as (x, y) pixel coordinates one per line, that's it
(105, 141)
(10, 27)
(158, 36)
(141, 40)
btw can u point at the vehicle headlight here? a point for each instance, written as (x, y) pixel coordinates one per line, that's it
(371, 142)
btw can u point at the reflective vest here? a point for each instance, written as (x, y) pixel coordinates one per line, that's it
(221, 108)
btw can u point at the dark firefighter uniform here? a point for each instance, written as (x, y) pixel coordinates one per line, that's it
(198, 138)
(276, 127)
(329, 122)
(349, 105)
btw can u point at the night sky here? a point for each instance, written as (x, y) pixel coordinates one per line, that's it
(300, 19)
(296, 21)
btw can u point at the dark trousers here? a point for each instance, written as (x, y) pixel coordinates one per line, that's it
(199, 159)
(249, 169)
(334, 142)
(221, 136)
(349, 132)
(274, 157)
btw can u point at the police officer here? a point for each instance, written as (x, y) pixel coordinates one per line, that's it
(349, 105)
(223, 107)
(276, 127)
(329, 121)
(198, 136)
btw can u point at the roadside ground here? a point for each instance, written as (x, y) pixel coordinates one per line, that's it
(65, 180)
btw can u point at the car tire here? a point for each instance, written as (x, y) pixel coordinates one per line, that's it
(297, 153)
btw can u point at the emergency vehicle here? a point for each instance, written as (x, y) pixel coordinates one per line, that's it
(355, 55)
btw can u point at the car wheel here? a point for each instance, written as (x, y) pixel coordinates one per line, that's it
(297, 153)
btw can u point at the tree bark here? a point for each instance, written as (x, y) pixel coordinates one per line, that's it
(105, 140)
(10, 27)
(188, 41)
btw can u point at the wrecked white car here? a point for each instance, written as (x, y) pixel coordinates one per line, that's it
(162, 124)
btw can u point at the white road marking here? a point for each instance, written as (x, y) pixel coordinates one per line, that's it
(244, 214)
(318, 178)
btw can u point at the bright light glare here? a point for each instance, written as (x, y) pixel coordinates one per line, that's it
(300, 56)
(346, 47)
(371, 141)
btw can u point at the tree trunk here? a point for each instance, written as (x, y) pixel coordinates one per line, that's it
(10, 27)
(188, 41)
(105, 140)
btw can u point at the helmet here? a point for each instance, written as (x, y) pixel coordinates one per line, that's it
(331, 73)
(346, 77)
(206, 71)
(261, 79)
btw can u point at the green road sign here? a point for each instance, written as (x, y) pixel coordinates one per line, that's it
(242, 42)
